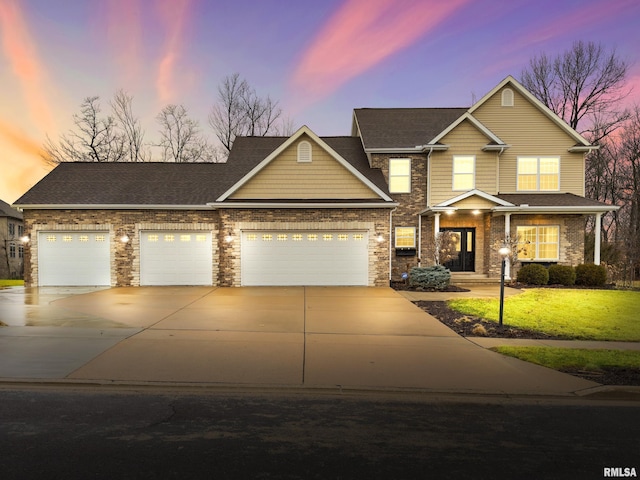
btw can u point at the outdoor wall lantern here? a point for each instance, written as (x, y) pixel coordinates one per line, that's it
(25, 239)
(504, 253)
(228, 238)
(124, 238)
(380, 238)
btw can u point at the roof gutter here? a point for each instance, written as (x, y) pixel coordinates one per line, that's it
(107, 206)
(217, 205)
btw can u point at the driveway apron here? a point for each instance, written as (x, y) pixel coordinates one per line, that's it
(319, 337)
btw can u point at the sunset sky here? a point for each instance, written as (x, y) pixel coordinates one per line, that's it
(320, 59)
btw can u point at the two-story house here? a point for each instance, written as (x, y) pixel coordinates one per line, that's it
(310, 210)
(11, 246)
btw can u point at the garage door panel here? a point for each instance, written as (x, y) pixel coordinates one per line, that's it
(304, 258)
(175, 258)
(73, 259)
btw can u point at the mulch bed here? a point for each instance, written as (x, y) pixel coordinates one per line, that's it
(470, 326)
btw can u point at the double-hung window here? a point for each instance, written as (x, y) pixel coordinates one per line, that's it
(539, 174)
(405, 237)
(464, 167)
(538, 242)
(400, 175)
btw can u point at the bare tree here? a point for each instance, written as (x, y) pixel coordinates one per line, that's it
(443, 247)
(115, 138)
(180, 137)
(94, 138)
(240, 111)
(131, 130)
(583, 83)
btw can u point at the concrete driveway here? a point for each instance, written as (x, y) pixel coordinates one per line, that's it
(347, 337)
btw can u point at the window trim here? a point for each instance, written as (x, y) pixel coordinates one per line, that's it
(536, 257)
(408, 176)
(507, 99)
(453, 175)
(395, 237)
(538, 158)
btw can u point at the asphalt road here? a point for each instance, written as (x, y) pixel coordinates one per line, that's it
(118, 433)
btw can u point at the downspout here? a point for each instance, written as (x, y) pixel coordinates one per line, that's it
(390, 231)
(419, 240)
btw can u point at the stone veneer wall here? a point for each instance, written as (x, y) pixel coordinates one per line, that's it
(410, 204)
(571, 238)
(125, 257)
(234, 221)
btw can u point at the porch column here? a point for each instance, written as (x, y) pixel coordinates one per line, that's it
(597, 234)
(507, 237)
(436, 224)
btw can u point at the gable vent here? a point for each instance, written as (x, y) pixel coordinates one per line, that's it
(507, 97)
(304, 152)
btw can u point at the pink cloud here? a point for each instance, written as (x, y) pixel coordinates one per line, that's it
(174, 15)
(361, 34)
(20, 51)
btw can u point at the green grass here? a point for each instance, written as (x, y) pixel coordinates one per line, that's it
(580, 314)
(574, 358)
(11, 283)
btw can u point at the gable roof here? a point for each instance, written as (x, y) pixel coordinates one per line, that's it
(7, 211)
(172, 185)
(403, 128)
(475, 122)
(513, 83)
(353, 150)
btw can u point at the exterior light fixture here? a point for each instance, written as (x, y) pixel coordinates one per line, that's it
(504, 252)
(450, 212)
(124, 238)
(476, 212)
(228, 238)
(380, 238)
(25, 239)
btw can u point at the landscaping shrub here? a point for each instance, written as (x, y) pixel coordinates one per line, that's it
(533, 274)
(562, 275)
(436, 276)
(591, 275)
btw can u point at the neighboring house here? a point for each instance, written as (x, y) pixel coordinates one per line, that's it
(309, 210)
(11, 246)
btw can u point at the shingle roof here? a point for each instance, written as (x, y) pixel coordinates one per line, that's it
(549, 200)
(403, 127)
(7, 211)
(152, 183)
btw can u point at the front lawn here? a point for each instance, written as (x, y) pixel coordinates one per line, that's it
(621, 367)
(580, 314)
(11, 283)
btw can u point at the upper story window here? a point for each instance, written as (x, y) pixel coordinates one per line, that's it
(539, 173)
(507, 97)
(400, 175)
(12, 229)
(304, 152)
(405, 237)
(464, 176)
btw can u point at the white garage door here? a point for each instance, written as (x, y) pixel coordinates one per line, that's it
(175, 258)
(304, 258)
(73, 258)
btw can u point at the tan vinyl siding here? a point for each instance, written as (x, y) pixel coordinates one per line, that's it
(322, 178)
(473, 203)
(530, 133)
(465, 139)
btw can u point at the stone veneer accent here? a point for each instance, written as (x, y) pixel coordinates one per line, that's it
(410, 204)
(234, 221)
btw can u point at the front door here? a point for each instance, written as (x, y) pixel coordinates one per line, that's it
(465, 239)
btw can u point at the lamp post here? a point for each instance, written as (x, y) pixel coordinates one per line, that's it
(504, 253)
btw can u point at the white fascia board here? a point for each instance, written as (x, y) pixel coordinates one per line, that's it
(219, 205)
(437, 209)
(583, 149)
(109, 206)
(301, 131)
(394, 150)
(476, 123)
(478, 193)
(492, 147)
(537, 103)
(557, 209)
